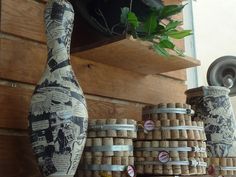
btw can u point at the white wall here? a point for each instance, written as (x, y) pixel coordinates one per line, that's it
(215, 33)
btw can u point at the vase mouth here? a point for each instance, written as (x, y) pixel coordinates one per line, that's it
(206, 90)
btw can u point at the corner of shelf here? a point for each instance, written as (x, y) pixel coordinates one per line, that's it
(136, 56)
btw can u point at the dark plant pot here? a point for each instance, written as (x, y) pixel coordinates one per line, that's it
(104, 15)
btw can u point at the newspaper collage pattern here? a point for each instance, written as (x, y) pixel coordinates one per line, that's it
(213, 106)
(58, 113)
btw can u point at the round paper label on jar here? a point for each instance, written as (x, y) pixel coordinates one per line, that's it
(130, 171)
(149, 125)
(211, 170)
(164, 156)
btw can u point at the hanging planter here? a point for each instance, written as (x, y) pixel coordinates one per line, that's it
(145, 20)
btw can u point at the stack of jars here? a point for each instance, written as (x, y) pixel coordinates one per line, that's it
(169, 142)
(109, 148)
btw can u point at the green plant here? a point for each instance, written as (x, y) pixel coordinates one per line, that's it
(158, 27)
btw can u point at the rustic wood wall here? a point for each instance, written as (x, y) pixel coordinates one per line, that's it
(118, 94)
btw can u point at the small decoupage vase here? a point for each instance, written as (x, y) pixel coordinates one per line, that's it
(212, 105)
(58, 112)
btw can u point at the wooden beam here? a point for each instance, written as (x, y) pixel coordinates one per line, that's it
(101, 108)
(23, 18)
(136, 56)
(17, 159)
(168, 2)
(103, 80)
(180, 74)
(24, 61)
(15, 104)
(14, 107)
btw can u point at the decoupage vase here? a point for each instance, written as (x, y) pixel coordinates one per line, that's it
(58, 112)
(212, 105)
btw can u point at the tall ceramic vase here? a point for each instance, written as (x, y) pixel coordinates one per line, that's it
(213, 106)
(58, 112)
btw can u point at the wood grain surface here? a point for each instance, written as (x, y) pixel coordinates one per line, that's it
(103, 80)
(179, 74)
(14, 107)
(100, 109)
(95, 78)
(16, 157)
(26, 20)
(15, 103)
(22, 60)
(23, 18)
(137, 56)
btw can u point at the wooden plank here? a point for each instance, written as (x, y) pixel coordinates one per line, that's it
(16, 157)
(23, 18)
(27, 23)
(180, 74)
(168, 2)
(26, 19)
(21, 60)
(14, 107)
(136, 56)
(37, 54)
(99, 109)
(24, 61)
(109, 81)
(15, 103)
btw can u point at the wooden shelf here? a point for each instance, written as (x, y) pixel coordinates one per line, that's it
(135, 56)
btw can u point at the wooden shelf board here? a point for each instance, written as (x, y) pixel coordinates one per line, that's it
(136, 56)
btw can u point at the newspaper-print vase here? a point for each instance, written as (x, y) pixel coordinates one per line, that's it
(212, 105)
(58, 113)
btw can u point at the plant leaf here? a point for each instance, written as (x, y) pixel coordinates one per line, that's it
(170, 10)
(160, 50)
(172, 25)
(160, 29)
(167, 44)
(157, 4)
(179, 52)
(147, 38)
(179, 34)
(124, 15)
(133, 20)
(150, 25)
(140, 28)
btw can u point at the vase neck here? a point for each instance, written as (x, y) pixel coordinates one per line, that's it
(59, 18)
